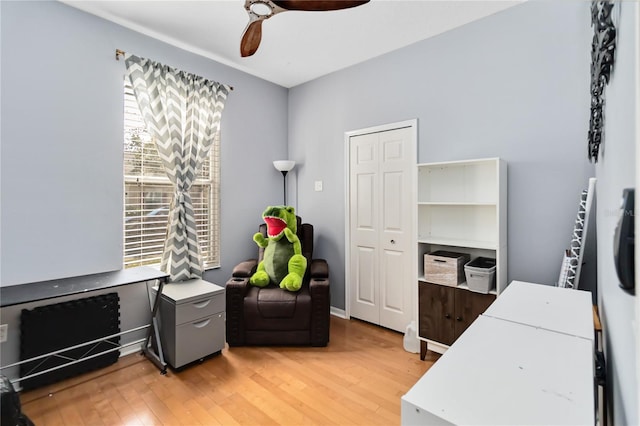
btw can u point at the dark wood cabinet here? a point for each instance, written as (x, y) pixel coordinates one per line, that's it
(469, 306)
(446, 312)
(436, 307)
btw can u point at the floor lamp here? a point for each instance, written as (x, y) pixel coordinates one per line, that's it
(284, 167)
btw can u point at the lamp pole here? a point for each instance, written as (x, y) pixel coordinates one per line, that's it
(284, 166)
(284, 184)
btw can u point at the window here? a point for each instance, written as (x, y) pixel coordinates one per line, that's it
(148, 193)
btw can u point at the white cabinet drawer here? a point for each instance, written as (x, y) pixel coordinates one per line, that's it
(191, 321)
(198, 339)
(189, 311)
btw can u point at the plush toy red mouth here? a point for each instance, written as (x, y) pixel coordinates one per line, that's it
(275, 225)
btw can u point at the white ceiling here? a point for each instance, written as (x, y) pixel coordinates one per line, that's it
(296, 46)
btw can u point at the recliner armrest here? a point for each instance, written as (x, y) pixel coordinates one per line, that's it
(245, 269)
(319, 268)
(319, 287)
(237, 284)
(235, 291)
(320, 305)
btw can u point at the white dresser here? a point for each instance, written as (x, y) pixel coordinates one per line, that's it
(191, 321)
(527, 360)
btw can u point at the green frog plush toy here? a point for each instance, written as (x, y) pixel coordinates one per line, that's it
(283, 261)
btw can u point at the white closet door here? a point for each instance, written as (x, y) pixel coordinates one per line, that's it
(365, 232)
(380, 220)
(396, 264)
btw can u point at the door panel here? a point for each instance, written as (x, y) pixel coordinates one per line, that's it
(436, 314)
(365, 214)
(393, 207)
(469, 306)
(392, 300)
(366, 290)
(363, 200)
(396, 209)
(380, 204)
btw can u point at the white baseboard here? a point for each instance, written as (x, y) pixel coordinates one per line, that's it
(341, 313)
(131, 350)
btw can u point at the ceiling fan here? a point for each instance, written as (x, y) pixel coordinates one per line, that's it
(260, 10)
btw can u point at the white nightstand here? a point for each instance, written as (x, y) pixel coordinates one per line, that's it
(191, 321)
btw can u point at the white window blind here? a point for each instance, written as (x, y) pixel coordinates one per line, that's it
(148, 193)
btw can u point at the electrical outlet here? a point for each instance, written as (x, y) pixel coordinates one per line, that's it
(4, 331)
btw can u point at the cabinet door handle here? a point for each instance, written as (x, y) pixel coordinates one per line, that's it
(447, 316)
(393, 241)
(201, 305)
(202, 324)
(458, 318)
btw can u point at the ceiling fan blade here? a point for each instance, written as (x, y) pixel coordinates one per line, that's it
(261, 10)
(251, 38)
(318, 5)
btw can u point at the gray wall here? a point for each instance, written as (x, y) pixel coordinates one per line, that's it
(514, 85)
(615, 171)
(61, 153)
(62, 131)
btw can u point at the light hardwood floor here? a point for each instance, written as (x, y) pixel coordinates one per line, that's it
(357, 380)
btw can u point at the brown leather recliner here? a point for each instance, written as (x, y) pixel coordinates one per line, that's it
(273, 316)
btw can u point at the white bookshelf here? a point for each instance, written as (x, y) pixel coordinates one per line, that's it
(461, 207)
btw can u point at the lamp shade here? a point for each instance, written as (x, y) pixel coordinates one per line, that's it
(284, 165)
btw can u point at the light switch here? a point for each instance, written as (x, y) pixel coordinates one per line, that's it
(318, 185)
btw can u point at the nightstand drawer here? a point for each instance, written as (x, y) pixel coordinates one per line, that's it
(198, 339)
(191, 321)
(204, 307)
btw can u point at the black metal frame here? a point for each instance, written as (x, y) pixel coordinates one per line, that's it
(151, 345)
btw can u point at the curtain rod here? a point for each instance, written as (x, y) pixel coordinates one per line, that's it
(122, 52)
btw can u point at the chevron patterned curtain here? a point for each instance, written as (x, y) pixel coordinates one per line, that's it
(182, 111)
